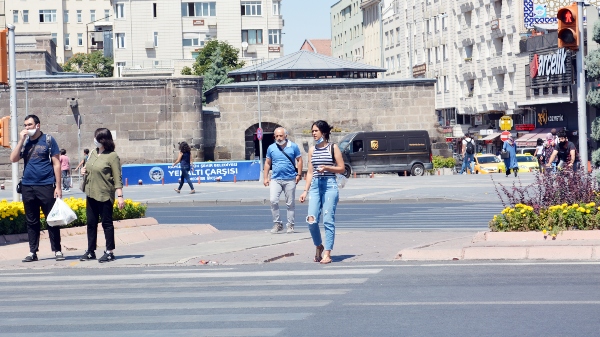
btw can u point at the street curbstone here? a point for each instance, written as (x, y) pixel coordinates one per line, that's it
(430, 254)
(495, 253)
(560, 253)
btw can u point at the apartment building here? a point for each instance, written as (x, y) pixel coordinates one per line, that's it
(347, 39)
(75, 26)
(160, 37)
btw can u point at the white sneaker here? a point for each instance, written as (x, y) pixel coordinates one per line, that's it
(277, 228)
(290, 229)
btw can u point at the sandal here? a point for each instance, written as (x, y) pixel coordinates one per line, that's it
(326, 261)
(318, 253)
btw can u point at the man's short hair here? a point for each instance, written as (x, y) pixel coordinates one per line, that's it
(282, 128)
(553, 132)
(562, 134)
(35, 118)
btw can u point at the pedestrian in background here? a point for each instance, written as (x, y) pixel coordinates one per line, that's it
(468, 152)
(510, 162)
(549, 145)
(185, 153)
(65, 167)
(41, 183)
(321, 187)
(539, 153)
(86, 154)
(286, 175)
(102, 173)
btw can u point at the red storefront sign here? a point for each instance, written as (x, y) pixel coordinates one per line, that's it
(524, 127)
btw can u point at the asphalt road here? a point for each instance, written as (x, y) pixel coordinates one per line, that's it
(445, 215)
(383, 299)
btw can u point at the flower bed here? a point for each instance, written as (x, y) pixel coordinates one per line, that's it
(555, 202)
(12, 214)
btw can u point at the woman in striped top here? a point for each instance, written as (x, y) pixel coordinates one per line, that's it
(322, 188)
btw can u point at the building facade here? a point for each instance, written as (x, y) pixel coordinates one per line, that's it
(162, 36)
(347, 30)
(75, 26)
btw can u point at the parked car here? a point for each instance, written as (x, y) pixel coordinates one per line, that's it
(526, 150)
(527, 163)
(387, 151)
(488, 163)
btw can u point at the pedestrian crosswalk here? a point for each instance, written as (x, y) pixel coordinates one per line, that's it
(468, 216)
(170, 302)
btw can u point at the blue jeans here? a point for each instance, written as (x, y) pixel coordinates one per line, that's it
(185, 175)
(467, 160)
(323, 196)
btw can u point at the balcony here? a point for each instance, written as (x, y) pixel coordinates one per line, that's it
(465, 5)
(467, 70)
(497, 63)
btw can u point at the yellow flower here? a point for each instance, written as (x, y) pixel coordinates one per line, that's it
(564, 212)
(592, 204)
(587, 211)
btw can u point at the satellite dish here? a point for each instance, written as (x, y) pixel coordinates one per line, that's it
(244, 45)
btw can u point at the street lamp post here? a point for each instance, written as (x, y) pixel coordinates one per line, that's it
(581, 103)
(260, 148)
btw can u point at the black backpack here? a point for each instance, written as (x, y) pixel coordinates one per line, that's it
(470, 147)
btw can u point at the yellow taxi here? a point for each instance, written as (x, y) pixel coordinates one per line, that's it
(488, 163)
(527, 163)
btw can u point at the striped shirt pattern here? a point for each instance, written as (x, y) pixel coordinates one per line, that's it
(322, 156)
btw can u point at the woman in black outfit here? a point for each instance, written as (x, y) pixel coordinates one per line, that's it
(184, 159)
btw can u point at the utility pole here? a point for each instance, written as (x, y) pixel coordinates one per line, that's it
(380, 7)
(260, 148)
(581, 103)
(12, 82)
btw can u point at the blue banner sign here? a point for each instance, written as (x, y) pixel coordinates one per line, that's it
(206, 171)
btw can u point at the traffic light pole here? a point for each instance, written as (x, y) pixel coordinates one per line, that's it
(581, 103)
(12, 82)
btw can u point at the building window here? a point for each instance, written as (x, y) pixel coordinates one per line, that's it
(444, 24)
(154, 10)
(120, 37)
(276, 7)
(252, 36)
(274, 36)
(198, 9)
(80, 39)
(54, 38)
(47, 15)
(192, 42)
(26, 16)
(92, 15)
(120, 11)
(444, 52)
(155, 39)
(106, 14)
(79, 16)
(67, 40)
(66, 16)
(15, 16)
(251, 8)
(445, 83)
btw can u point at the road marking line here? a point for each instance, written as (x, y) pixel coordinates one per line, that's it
(463, 264)
(232, 332)
(188, 294)
(64, 278)
(67, 321)
(476, 303)
(165, 306)
(15, 274)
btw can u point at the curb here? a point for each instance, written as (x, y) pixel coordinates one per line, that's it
(71, 231)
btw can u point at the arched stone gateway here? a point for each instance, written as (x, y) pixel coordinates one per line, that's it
(252, 150)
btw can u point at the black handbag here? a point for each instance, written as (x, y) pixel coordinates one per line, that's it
(19, 187)
(504, 154)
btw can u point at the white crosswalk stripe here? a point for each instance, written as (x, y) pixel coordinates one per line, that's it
(464, 216)
(154, 302)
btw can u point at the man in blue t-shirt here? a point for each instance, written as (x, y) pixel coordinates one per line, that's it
(41, 183)
(286, 160)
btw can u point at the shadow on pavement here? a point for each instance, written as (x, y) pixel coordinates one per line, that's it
(340, 258)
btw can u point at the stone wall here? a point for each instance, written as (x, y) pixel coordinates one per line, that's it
(43, 57)
(148, 116)
(354, 105)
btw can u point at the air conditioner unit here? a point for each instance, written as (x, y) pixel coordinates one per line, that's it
(149, 44)
(67, 47)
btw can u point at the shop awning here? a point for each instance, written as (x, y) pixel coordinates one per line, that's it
(491, 136)
(530, 139)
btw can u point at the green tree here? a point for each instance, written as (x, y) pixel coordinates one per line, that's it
(229, 55)
(186, 70)
(216, 73)
(94, 62)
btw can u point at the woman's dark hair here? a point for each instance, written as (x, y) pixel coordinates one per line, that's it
(540, 142)
(184, 147)
(63, 152)
(104, 137)
(324, 128)
(86, 151)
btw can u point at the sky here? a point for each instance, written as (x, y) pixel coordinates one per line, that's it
(304, 19)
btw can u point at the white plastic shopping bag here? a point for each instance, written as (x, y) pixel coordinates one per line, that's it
(61, 214)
